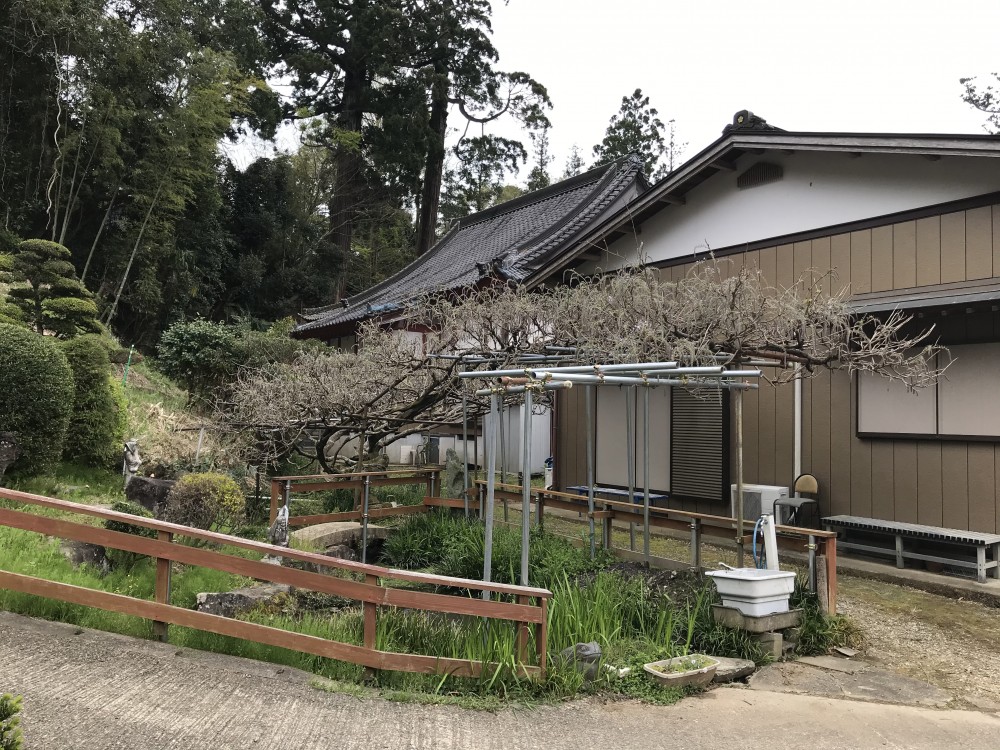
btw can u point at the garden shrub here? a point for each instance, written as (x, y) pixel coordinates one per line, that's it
(97, 427)
(10, 731)
(119, 557)
(36, 397)
(205, 356)
(206, 501)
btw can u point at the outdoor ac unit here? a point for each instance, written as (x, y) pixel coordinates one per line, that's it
(757, 499)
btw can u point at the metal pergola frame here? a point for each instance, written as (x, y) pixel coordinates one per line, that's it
(536, 379)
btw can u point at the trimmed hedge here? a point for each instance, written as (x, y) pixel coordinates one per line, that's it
(206, 501)
(97, 427)
(36, 397)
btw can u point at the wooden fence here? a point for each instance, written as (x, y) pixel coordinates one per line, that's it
(819, 545)
(811, 542)
(283, 487)
(528, 610)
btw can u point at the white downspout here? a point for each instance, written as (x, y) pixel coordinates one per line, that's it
(797, 460)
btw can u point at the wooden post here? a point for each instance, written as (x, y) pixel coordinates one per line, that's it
(275, 499)
(606, 529)
(523, 634)
(370, 614)
(162, 586)
(542, 637)
(831, 574)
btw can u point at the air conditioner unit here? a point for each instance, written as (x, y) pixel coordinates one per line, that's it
(757, 499)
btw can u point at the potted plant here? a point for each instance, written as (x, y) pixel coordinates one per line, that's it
(696, 670)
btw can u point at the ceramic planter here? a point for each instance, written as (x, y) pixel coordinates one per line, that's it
(692, 677)
(753, 591)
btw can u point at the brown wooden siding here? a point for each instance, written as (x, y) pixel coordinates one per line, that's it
(949, 483)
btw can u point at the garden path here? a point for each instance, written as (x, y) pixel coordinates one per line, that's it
(91, 690)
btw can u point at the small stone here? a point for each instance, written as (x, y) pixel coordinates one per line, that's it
(84, 553)
(846, 652)
(586, 656)
(232, 603)
(341, 552)
(732, 669)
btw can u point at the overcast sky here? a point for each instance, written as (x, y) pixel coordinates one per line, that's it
(875, 66)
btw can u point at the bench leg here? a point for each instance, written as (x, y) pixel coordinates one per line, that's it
(899, 550)
(996, 559)
(981, 563)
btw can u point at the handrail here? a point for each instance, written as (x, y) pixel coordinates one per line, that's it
(282, 487)
(529, 610)
(267, 549)
(816, 543)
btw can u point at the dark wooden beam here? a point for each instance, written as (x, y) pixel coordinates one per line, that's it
(677, 200)
(724, 165)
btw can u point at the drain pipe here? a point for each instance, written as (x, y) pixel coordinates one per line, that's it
(797, 440)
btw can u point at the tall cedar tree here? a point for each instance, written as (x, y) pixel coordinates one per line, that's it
(635, 128)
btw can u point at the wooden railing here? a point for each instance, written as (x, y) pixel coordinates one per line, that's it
(283, 487)
(811, 542)
(529, 612)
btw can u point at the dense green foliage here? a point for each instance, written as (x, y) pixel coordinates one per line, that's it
(205, 501)
(114, 112)
(635, 128)
(122, 558)
(10, 730)
(36, 397)
(97, 427)
(205, 356)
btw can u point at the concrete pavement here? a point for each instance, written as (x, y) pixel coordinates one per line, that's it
(98, 691)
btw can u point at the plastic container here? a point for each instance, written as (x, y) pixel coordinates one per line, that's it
(753, 591)
(694, 677)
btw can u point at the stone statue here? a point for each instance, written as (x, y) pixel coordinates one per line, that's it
(278, 533)
(453, 476)
(132, 460)
(9, 451)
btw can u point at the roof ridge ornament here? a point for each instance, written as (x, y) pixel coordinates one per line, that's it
(747, 120)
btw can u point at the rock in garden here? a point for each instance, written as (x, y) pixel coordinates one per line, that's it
(82, 553)
(732, 669)
(586, 656)
(341, 552)
(10, 450)
(233, 603)
(150, 493)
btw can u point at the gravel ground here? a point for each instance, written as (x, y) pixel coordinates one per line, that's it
(951, 643)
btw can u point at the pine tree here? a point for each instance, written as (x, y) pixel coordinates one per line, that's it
(635, 128)
(47, 291)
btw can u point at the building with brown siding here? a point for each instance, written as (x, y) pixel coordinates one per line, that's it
(904, 221)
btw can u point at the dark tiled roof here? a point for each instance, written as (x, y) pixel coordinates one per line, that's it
(512, 239)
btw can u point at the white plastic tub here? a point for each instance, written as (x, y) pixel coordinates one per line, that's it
(754, 591)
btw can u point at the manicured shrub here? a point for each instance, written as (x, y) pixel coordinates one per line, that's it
(97, 427)
(119, 557)
(206, 501)
(36, 397)
(10, 732)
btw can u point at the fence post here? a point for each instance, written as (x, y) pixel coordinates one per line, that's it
(370, 610)
(523, 634)
(162, 585)
(696, 543)
(831, 574)
(275, 497)
(542, 636)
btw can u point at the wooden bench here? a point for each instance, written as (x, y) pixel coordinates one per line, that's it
(927, 535)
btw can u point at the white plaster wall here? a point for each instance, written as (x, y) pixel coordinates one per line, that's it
(513, 434)
(818, 190)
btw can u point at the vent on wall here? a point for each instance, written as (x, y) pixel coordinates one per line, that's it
(761, 173)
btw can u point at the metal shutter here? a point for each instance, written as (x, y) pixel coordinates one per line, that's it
(699, 443)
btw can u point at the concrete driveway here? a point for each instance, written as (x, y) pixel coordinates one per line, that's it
(93, 690)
